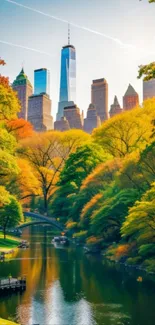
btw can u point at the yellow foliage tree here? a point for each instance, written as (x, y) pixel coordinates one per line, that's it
(47, 153)
(125, 132)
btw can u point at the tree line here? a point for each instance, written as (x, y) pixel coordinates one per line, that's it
(102, 187)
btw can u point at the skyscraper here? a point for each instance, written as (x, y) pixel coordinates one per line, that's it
(130, 99)
(41, 81)
(73, 116)
(67, 96)
(24, 89)
(39, 112)
(115, 108)
(99, 98)
(92, 120)
(148, 89)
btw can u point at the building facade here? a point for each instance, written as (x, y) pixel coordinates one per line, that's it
(148, 89)
(41, 82)
(130, 99)
(73, 116)
(67, 94)
(99, 98)
(39, 112)
(62, 125)
(92, 120)
(24, 89)
(115, 108)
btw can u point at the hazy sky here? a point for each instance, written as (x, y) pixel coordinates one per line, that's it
(128, 22)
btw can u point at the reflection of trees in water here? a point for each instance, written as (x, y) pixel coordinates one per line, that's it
(67, 282)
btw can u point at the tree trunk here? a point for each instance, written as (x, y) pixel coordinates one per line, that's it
(45, 202)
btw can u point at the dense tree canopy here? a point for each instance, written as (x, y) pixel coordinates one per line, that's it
(47, 152)
(10, 211)
(125, 133)
(9, 103)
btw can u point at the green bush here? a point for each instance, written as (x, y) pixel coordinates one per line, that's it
(147, 250)
(134, 260)
(149, 264)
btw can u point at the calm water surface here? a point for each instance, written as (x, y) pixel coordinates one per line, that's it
(66, 287)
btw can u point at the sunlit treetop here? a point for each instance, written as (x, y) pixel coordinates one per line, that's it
(147, 71)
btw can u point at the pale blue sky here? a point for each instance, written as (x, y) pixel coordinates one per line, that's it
(130, 21)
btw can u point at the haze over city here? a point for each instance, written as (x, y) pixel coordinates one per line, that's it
(112, 38)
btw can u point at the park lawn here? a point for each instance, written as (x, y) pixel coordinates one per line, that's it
(6, 322)
(9, 243)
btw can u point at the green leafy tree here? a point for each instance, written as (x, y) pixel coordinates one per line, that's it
(10, 211)
(81, 163)
(107, 221)
(140, 222)
(78, 165)
(147, 71)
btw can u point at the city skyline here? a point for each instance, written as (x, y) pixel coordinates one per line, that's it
(111, 59)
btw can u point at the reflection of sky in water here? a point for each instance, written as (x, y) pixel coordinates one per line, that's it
(60, 312)
(56, 311)
(65, 287)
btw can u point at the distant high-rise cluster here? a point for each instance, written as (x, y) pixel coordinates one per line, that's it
(36, 106)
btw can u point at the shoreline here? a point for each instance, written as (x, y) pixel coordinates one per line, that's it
(8, 245)
(7, 322)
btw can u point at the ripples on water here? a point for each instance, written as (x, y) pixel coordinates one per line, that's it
(66, 287)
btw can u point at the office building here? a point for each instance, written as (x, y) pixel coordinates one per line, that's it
(39, 112)
(115, 108)
(62, 125)
(41, 82)
(24, 89)
(130, 99)
(67, 96)
(73, 116)
(92, 120)
(148, 89)
(99, 98)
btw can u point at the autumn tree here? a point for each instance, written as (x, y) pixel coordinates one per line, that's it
(9, 103)
(3, 80)
(20, 128)
(24, 184)
(125, 133)
(7, 159)
(47, 152)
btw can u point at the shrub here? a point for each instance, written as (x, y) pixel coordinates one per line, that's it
(80, 235)
(134, 260)
(147, 250)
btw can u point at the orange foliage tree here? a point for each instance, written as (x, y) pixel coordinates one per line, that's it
(20, 128)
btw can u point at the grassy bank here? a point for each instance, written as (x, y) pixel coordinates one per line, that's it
(6, 322)
(9, 243)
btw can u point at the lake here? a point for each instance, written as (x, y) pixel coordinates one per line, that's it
(67, 287)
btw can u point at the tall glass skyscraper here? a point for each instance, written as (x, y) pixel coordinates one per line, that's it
(41, 82)
(67, 79)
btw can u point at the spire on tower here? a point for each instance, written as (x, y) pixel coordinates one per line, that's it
(68, 33)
